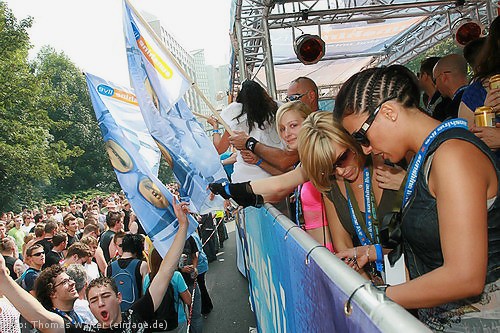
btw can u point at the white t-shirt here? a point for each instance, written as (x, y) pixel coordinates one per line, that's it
(82, 308)
(243, 171)
(92, 271)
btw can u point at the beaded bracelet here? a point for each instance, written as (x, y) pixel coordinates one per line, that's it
(259, 162)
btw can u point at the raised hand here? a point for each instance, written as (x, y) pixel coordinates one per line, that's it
(180, 210)
(239, 139)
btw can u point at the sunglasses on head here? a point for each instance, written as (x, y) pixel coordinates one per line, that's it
(360, 135)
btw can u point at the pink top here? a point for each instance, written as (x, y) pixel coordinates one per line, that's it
(312, 207)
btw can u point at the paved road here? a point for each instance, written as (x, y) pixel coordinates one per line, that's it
(229, 292)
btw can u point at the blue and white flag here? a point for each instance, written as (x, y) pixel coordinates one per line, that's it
(122, 104)
(150, 199)
(159, 86)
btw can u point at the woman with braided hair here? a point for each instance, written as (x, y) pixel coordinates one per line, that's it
(337, 167)
(451, 205)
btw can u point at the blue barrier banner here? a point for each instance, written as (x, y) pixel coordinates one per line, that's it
(151, 200)
(287, 294)
(159, 86)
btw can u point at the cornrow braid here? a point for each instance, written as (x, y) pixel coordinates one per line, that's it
(375, 89)
(366, 90)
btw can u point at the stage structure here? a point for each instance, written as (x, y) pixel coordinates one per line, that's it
(357, 34)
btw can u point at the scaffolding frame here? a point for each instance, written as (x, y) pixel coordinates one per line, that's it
(252, 50)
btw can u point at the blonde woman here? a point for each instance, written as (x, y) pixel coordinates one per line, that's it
(336, 166)
(309, 203)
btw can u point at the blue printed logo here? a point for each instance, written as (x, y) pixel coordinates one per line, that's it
(105, 90)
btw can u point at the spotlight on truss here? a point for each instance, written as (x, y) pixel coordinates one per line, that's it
(309, 49)
(466, 30)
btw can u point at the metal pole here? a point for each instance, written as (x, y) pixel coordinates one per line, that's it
(179, 68)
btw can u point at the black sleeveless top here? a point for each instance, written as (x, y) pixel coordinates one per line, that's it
(105, 240)
(390, 201)
(420, 224)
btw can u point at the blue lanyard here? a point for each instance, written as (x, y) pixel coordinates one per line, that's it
(298, 206)
(417, 161)
(364, 240)
(72, 317)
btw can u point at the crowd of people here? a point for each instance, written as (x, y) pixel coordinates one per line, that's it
(390, 172)
(81, 260)
(397, 174)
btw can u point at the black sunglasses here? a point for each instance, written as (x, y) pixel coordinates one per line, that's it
(37, 254)
(360, 135)
(343, 159)
(294, 97)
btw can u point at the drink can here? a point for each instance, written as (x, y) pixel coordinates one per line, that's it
(495, 82)
(484, 116)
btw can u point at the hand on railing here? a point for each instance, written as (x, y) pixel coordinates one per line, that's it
(356, 257)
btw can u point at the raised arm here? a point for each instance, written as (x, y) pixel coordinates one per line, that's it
(251, 158)
(281, 159)
(27, 305)
(274, 189)
(221, 142)
(255, 193)
(169, 264)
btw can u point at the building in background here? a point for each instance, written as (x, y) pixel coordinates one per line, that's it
(212, 81)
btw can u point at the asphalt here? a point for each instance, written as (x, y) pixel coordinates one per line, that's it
(229, 292)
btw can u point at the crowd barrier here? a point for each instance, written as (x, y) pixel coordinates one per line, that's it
(296, 285)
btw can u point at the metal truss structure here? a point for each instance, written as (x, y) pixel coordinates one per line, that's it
(255, 18)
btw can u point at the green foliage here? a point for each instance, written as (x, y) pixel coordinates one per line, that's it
(64, 198)
(68, 105)
(50, 143)
(28, 152)
(165, 174)
(445, 47)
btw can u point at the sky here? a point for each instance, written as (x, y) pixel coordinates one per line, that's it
(90, 32)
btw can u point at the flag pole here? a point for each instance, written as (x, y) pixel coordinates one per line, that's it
(199, 115)
(172, 58)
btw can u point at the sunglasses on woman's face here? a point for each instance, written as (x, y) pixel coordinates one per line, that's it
(360, 135)
(343, 159)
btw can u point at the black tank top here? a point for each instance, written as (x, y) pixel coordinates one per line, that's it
(104, 242)
(390, 202)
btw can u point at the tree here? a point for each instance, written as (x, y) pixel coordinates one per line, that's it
(29, 155)
(68, 104)
(444, 47)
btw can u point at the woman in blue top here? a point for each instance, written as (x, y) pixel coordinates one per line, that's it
(479, 92)
(451, 205)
